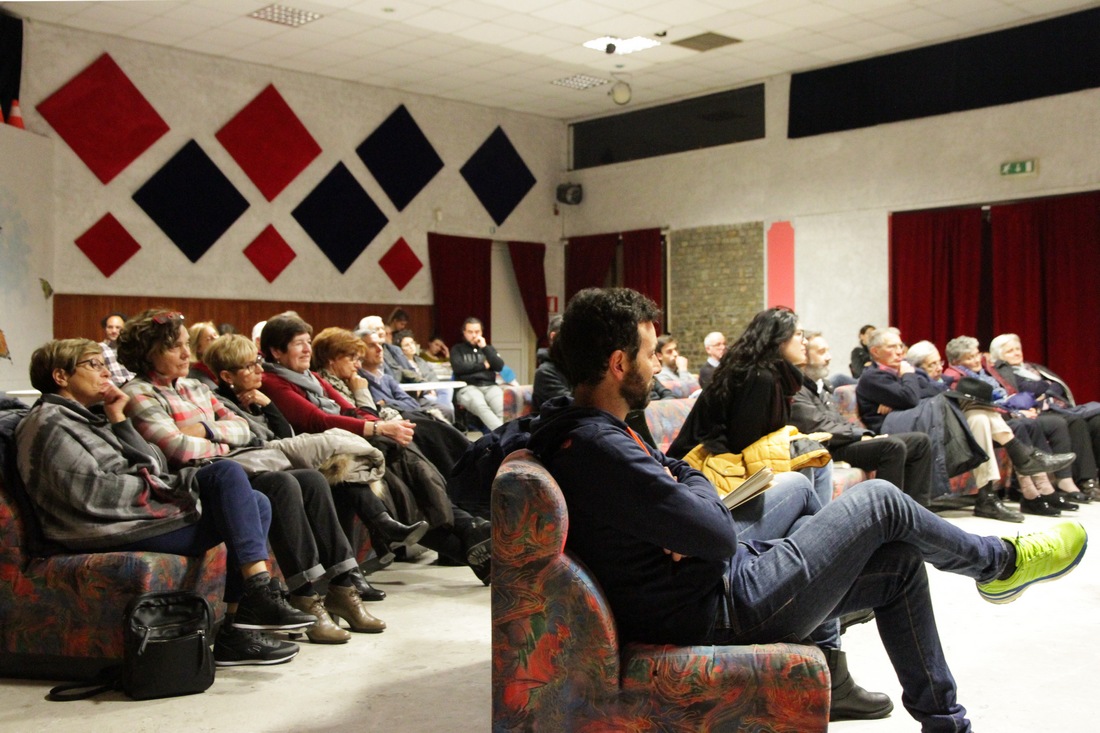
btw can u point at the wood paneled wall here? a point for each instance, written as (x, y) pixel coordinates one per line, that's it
(76, 316)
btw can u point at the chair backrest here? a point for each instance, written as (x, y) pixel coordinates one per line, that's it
(555, 646)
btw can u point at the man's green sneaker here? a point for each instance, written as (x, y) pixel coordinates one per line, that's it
(1040, 556)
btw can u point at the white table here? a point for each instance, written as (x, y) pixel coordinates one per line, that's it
(428, 386)
(34, 394)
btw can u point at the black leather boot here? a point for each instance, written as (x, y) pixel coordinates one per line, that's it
(367, 592)
(396, 534)
(990, 507)
(849, 700)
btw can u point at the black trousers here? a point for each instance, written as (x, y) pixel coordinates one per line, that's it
(903, 459)
(305, 531)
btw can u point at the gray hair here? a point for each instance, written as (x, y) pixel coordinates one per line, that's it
(879, 334)
(712, 338)
(959, 347)
(919, 352)
(997, 345)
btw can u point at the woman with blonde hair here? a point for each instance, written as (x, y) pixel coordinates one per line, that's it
(200, 335)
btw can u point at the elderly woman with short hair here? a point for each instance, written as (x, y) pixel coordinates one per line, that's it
(183, 418)
(97, 486)
(1052, 396)
(964, 359)
(201, 335)
(312, 405)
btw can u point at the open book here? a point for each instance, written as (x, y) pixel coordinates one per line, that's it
(758, 483)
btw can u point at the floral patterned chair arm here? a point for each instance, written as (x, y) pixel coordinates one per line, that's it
(557, 661)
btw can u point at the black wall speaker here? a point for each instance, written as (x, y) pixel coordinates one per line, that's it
(570, 193)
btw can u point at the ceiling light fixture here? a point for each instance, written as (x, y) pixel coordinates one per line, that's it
(621, 46)
(284, 15)
(580, 82)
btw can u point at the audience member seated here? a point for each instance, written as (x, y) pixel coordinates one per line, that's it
(550, 380)
(861, 355)
(1052, 395)
(751, 394)
(182, 417)
(342, 360)
(240, 375)
(436, 352)
(441, 400)
(312, 405)
(903, 459)
(97, 486)
(673, 366)
(714, 343)
(397, 364)
(112, 327)
(201, 335)
(1048, 432)
(888, 393)
(477, 363)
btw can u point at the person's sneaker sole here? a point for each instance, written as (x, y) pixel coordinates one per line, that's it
(1011, 594)
(255, 662)
(480, 553)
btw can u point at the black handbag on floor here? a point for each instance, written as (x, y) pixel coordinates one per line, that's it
(166, 650)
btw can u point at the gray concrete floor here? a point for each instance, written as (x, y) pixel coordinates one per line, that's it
(1024, 666)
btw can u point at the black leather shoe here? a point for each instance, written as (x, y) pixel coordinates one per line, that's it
(376, 562)
(397, 534)
(367, 592)
(1091, 488)
(849, 700)
(1059, 501)
(1077, 497)
(990, 507)
(1040, 507)
(1040, 462)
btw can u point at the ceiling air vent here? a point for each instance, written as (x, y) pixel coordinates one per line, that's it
(706, 41)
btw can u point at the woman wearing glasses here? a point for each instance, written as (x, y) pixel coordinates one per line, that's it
(97, 486)
(239, 371)
(184, 419)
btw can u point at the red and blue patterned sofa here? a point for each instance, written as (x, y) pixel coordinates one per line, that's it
(61, 613)
(557, 662)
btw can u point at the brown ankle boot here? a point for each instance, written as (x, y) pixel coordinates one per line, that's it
(325, 630)
(344, 602)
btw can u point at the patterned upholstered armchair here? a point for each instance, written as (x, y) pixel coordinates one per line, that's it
(61, 613)
(557, 664)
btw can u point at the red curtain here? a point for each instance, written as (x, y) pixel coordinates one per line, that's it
(1046, 265)
(644, 264)
(528, 264)
(461, 268)
(587, 262)
(936, 274)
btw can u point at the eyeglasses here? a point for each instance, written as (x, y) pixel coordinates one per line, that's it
(94, 364)
(162, 318)
(258, 364)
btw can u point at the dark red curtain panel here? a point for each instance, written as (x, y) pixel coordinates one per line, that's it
(1046, 265)
(587, 262)
(644, 263)
(528, 263)
(936, 274)
(461, 268)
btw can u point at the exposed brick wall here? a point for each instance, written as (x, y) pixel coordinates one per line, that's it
(716, 283)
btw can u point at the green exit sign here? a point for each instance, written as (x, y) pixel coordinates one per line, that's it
(1019, 167)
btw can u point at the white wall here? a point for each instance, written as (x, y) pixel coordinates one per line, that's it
(196, 95)
(26, 221)
(839, 189)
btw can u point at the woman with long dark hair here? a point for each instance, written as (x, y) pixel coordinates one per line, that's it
(750, 395)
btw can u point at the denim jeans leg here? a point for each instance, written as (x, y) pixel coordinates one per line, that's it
(242, 517)
(785, 590)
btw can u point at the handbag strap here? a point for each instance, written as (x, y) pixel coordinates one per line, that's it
(107, 680)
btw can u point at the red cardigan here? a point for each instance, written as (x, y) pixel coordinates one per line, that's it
(306, 417)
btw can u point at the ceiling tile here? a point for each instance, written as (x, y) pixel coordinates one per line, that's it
(674, 12)
(576, 13)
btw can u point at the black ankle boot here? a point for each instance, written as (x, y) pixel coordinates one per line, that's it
(367, 592)
(849, 700)
(396, 534)
(990, 507)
